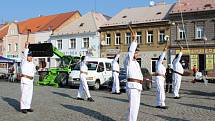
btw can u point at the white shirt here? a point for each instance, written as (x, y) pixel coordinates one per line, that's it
(133, 68)
(177, 65)
(28, 68)
(83, 67)
(160, 68)
(115, 65)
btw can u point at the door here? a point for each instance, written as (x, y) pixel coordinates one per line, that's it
(201, 62)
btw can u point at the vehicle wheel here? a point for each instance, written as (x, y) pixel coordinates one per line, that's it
(97, 85)
(62, 79)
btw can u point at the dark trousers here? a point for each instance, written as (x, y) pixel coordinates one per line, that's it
(168, 85)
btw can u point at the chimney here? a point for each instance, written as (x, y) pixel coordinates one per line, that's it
(151, 3)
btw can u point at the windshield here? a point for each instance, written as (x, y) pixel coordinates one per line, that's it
(92, 65)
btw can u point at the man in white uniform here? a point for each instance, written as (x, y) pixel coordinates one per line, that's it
(28, 70)
(115, 75)
(83, 81)
(135, 80)
(160, 79)
(177, 74)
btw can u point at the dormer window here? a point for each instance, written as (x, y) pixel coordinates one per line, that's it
(81, 24)
(158, 13)
(124, 17)
(208, 6)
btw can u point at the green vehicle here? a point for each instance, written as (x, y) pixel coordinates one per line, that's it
(57, 77)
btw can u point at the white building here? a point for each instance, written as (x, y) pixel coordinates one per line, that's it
(80, 37)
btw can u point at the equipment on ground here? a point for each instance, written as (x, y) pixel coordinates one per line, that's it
(54, 76)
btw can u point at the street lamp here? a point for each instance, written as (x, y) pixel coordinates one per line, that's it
(205, 39)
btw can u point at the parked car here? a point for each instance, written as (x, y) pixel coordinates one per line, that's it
(123, 80)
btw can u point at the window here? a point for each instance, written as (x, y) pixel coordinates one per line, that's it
(16, 47)
(181, 33)
(128, 38)
(86, 42)
(72, 43)
(161, 36)
(117, 40)
(139, 37)
(108, 66)
(59, 44)
(153, 64)
(9, 47)
(199, 31)
(150, 37)
(100, 67)
(108, 39)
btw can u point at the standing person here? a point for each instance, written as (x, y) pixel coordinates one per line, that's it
(83, 81)
(160, 80)
(115, 75)
(28, 70)
(177, 74)
(135, 80)
(169, 72)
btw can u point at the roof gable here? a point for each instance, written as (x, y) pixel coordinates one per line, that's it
(44, 23)
(193, 6)
(140, 15)
(3, 30)
(90, 22)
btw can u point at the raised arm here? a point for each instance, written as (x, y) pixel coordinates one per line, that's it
(26, 51)
(133, 45)
(116, 57)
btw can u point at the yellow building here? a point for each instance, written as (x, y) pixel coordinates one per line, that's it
(151, 26)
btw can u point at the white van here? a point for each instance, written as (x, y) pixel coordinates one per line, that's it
(99, 73)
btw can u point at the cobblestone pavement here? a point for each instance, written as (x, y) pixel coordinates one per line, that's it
(59, 104)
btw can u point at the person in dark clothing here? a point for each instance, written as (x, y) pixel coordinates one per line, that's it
(168, 75)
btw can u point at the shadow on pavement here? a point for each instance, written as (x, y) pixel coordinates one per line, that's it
(89, 112)
(12, 102)
(200, 93)
(166, 118)
(199, 106)
(125, 100)
(63, 94)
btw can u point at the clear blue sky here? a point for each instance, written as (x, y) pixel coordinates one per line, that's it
(22, 9)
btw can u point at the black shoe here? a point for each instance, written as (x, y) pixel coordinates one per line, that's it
(118, 93)
(24, 111)
(162, 107)
(30, 110)
(177, 97)
(90, 99)
(78, 98)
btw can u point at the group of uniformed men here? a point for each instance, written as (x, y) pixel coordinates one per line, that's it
(134, 79)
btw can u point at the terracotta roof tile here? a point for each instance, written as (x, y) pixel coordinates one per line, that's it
(193, 6)
(44, 23)
(3, 30)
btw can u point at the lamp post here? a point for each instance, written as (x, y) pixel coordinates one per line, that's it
(205, 39)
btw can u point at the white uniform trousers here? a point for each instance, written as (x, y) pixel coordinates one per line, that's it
(115, 87)
(27, 93)
(177, 84)
(160, 95)
(134, 104)
(83, 86)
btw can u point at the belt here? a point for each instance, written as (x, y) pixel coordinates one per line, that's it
(115, 71)
(177, 73)
(26, 76)
(135, 80)
(83, 72)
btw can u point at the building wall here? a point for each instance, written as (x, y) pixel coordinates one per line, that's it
(148, 52)
(94, 44)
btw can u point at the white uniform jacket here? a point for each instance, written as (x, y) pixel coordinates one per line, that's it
(28, 68)
(160, 68)
(115, 65)
(133, 68)
(177, 65)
